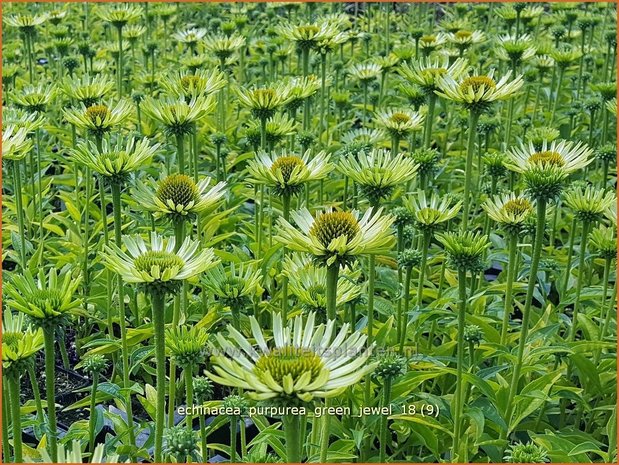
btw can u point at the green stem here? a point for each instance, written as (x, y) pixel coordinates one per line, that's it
(13, 382)
(180, 152)
(108, 273)
(526, 312)
(427, 135)
(468, 173)
(570, 248)
(120, 62)
(234, 423)
(37, 394)
(50, 388)
(40, 194)
(93, 417)
(158, 304)
(6, 415)
(291, 425)
(511, 268)
(324, 434)
(581, 267)
(403, 317)
(20, 212)
(458, 407)
(556, 101)
(189, 396)
(286, 215)
(384, 420)
(427, 236)
(331, 291)
(117, 208)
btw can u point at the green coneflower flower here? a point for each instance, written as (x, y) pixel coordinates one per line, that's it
(190, 37)
(465, 250)
(510, 211)
(264, 101)
(19, 343)
(287, 174)
(308, 284)
(100, 118)
(537, 136)
(119, 15)
(26, 23)
(427, 159)
(224, 47)
(72, 453)
(35, 99)
(363, 139)
(378, 172)
(589, 204)
(157, 265)
(181, 443)
(176, 114)
(47, 300)
(134, 32)
(463, 39)
(303, 361)
(400, 123)
(235, 286)
(335, 236)
(495, 164)
(515, 49)
(300, 89)
(15, 142)
(186, 345)
(544, 171)
(413, 94)
(526, 453)
(191, 85)
(276, 128)
(430, 213)
(115, 162)
(476, 93)
(430, 42)
(308, 36)
(565, 56)
(611, 106)
(178, 196)
(364, 72)
(604, 241)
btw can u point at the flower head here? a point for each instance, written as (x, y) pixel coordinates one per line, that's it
(545, 171)
(430, 213)
(264, 101)
(26, 23)
(158, 266)
(19, 343)
(234, 287)
(337, 236)
(477, 93)
(120, 14)
(178, 115)
(87, 90)
(509, 211)
(463, 39)
(526, 453)
(48, 300)
(378, 172)
(191, 85)
(515, 49)
(34, 99)
(115, 162)
(287, 174)
(224, 46)
(308, 36)
(178, 196)
(537, 136)
(400, 123)
(465, 250)
(190, 36)
(302, 362)
(590, 203)
(100, 118)
(186, 345)
(365, 72)
(181, 443)
(15, 142)
(426, 73)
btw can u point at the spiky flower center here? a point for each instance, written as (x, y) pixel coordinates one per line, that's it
(11, 339)
(97, 113)
(180, 189)
(264, 95)
(47, 298)
(232, 286)
(317, 291)
(289, 360)
(191, 82)
(476, 83)
(428, 39)
(431, 74)
(308, 31)
(463, 35)
(517, 207)
(428, 215)
(286, 166)
(547, 157)
(400, 118)
(160, 258)
(332, 225)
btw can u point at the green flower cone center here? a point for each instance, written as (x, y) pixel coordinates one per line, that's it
(47, 298)
(164, 260)
(463, 35)
(332, 225)
(191, 82)
(308, 31)
(265, 96)
(432, 74)
(547, 158)
(428, 39)
(289, 360)
(517, 207)
(97, 113)
(286, 165)
(476, 83)
(428, 215)
(178, 188)
(11, 339)
(400, 118)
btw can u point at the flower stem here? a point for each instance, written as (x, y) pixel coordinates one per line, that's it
(189, 396)
(13, 382)
(157, 301)
(234, 423)
(603, 307)
(50, 388)
(511, 268)
(291, 425)
(6, 414)
(460, 365)
(20, 212)
(331, 291)
(427, 135)
(427, 236)
(581, 267)
(120, 62)
(526, 312)
(93, 417)
(384, 420)
(556, 101)
(37, 394)
(403, 316)
(180, 152)
(116, 204)
(468, 174)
